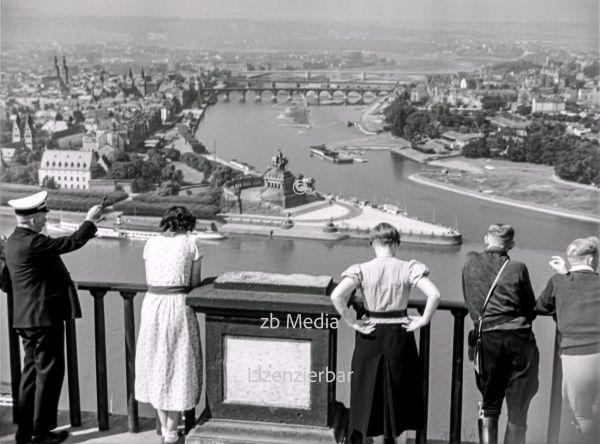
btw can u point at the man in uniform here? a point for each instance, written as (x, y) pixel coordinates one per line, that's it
(508, 351)
(44, 298)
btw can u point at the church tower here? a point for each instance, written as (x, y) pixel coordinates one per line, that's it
(16, 130)
(145, 80)
(56, 67)
(66, 69)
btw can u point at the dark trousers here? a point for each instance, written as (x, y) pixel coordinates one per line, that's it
(41, 379)
(510, 363)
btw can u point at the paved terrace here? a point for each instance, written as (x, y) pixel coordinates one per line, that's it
(88, 432)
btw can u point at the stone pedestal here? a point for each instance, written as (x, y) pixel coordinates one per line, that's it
(270, 360)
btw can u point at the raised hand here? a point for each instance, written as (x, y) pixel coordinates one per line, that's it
(94, 214)
(559, 265)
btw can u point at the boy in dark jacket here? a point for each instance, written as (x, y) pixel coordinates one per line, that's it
(509, 354)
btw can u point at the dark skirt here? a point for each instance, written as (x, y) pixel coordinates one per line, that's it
(386, 396)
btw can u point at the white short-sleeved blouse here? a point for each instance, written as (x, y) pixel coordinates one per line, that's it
(385, 283)
(168, 260)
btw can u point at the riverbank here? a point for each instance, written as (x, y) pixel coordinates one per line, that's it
(371, 120)
(421, 179)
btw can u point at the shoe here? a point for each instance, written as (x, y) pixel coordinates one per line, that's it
(171, 437)
(488, 430)
(22, 439)
(51, 437)
(515, 434)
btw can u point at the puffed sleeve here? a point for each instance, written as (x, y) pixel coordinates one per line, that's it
(353, 272)
(147, 248)
(416, 270)
(197, 252)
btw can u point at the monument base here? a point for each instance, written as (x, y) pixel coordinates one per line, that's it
(228, 431)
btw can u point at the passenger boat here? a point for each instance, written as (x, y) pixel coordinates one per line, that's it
(129, 231)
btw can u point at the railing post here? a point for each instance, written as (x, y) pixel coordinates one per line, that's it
(457, 375)
(555, 396)
(190, 419)
(15, 358)
(424, 345)
(129, 320)
(101, 372)
(73, 373)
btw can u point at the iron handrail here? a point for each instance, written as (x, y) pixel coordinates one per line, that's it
(128, 291)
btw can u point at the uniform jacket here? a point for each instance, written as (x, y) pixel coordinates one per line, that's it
(43, 292)
(513, 301)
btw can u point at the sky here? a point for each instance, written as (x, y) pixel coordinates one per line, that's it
(355, 11)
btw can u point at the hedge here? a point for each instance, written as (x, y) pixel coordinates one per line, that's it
(159, 209)
(207, 198)
(67, 200)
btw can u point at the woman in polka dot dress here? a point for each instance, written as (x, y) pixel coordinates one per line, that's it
(385, 397)
(168, 360)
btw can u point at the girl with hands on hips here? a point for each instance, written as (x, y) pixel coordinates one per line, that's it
(385, 338)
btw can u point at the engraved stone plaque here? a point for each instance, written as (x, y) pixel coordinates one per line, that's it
(267, 372)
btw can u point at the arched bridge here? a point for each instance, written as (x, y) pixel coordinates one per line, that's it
(278, 93)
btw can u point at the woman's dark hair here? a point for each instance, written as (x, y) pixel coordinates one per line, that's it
(385, 234)
(178, 219)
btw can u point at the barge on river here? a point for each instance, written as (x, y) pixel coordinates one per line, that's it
(332, 155)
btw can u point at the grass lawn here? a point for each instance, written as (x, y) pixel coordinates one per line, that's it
(524, 182)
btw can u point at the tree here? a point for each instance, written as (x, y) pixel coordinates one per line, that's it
(169, 188)
(140, 186)
(592, 70)
(121, 170)
(580, 164)
(49, 183)
(534, 149)
(198, 163)
(121, 156)
(516, 152)
(476, 148)
(20, 157)
(198, 147)
(221, 175)
(170, 173)
(97, 171)
(396, 115)
(173, 154)
(24, 174)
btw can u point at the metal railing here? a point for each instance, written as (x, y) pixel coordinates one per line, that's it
(98, 290)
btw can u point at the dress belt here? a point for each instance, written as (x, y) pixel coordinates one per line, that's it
(386, 314)
(175, 289)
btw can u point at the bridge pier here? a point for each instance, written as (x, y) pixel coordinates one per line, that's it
(258, 98)
(243, 96)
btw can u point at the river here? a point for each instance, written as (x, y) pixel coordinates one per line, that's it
(252, 132)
